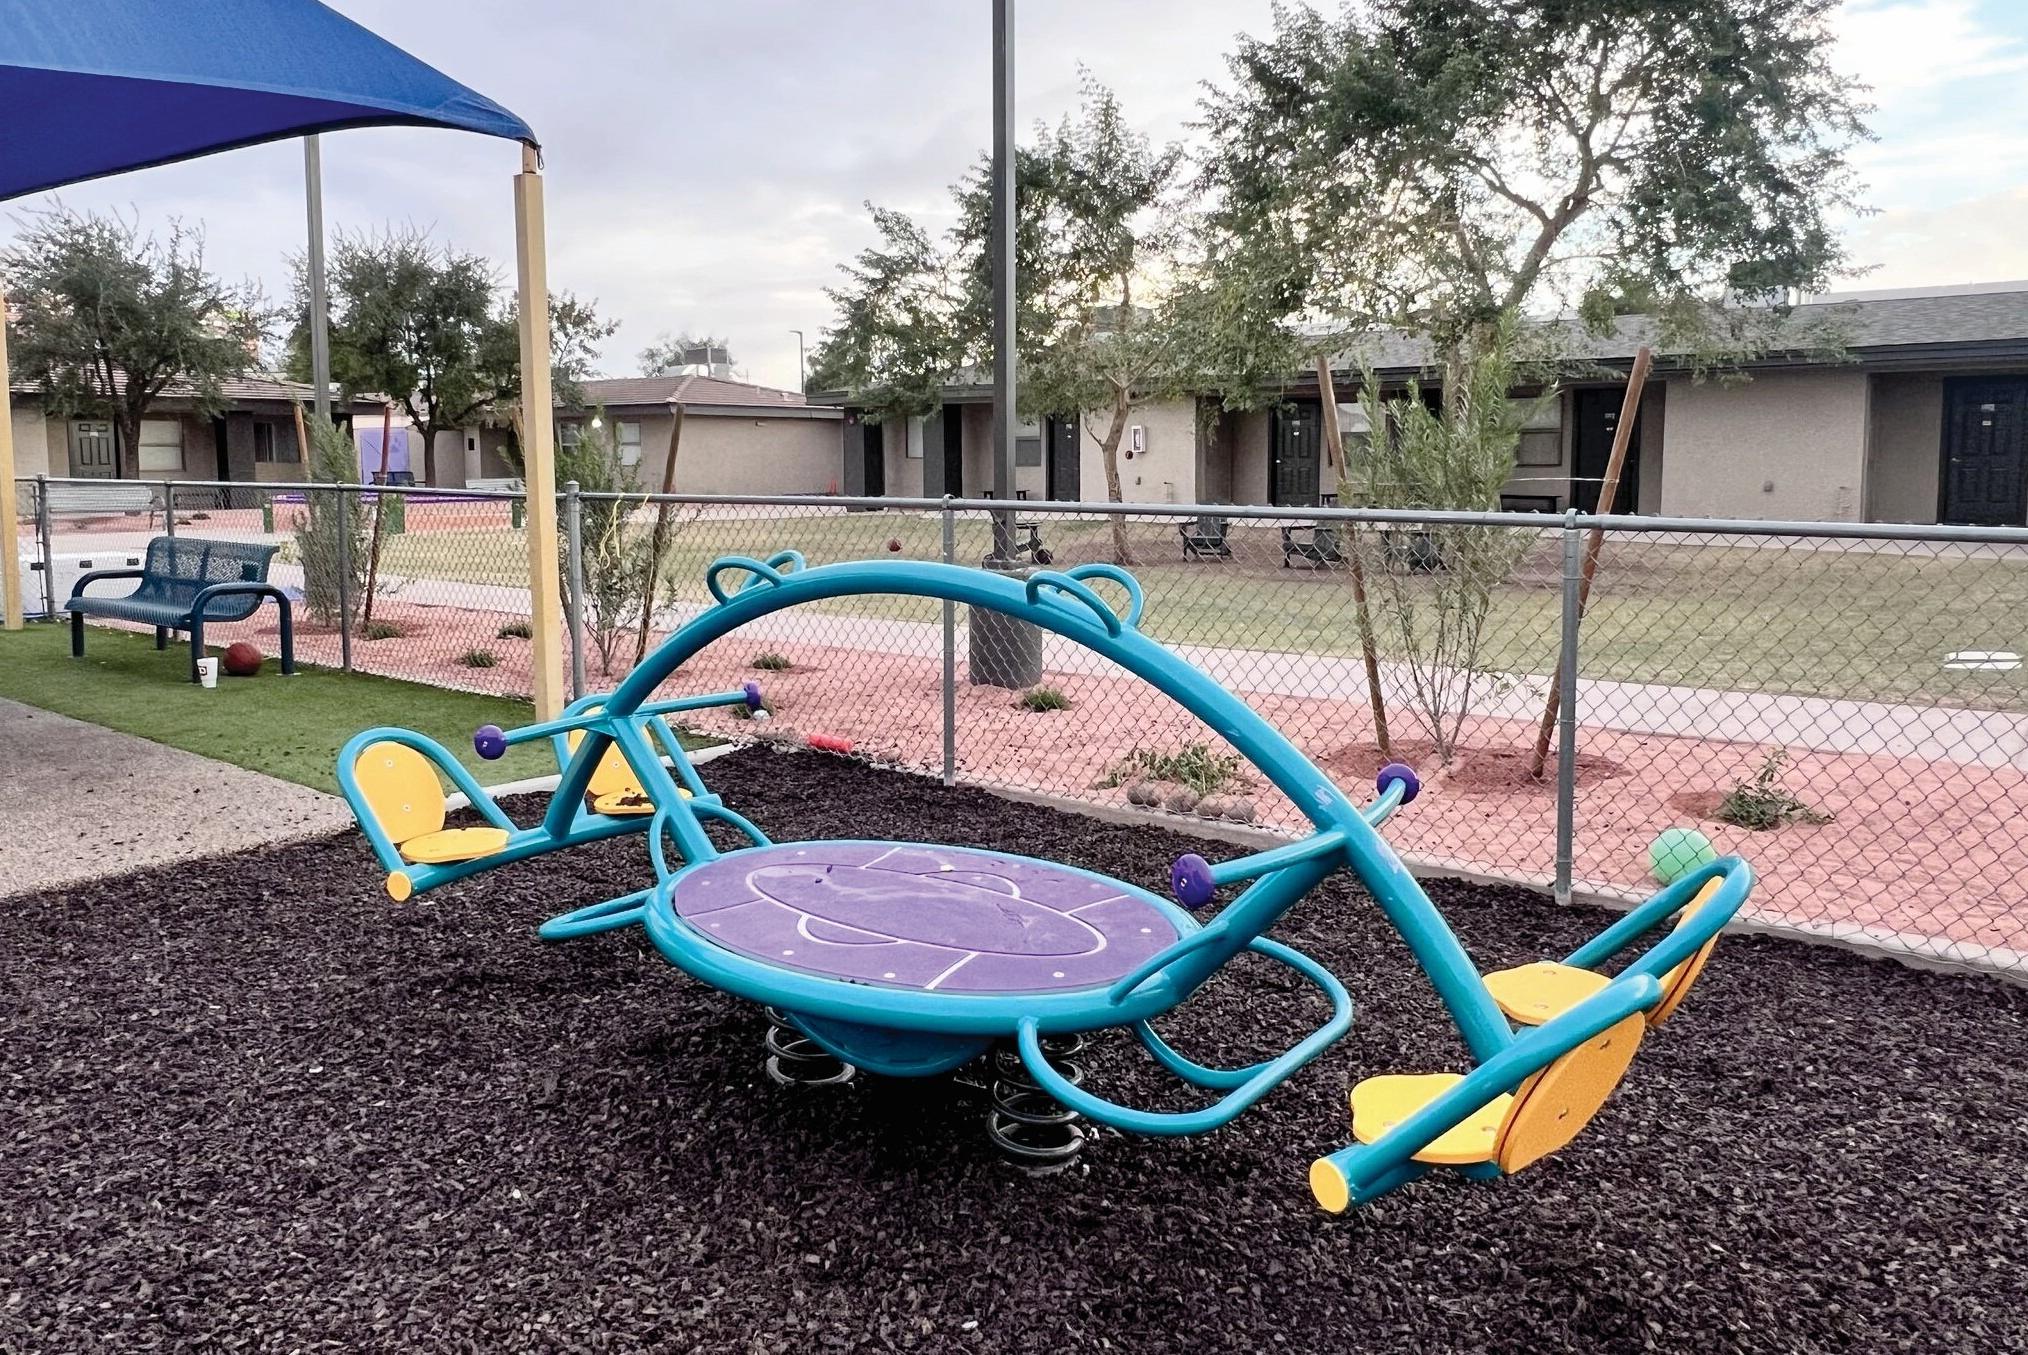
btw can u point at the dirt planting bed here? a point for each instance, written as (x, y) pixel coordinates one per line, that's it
(251, 1104)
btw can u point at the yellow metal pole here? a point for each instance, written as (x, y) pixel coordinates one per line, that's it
(10, 531)
(538, 438)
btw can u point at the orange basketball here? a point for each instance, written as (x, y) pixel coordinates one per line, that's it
(241, 659)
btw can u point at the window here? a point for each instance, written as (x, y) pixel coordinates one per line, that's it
(629, 441)
(1028, 451)
(567, 435)
(272, 448)
(1541, 432)
(161, 444)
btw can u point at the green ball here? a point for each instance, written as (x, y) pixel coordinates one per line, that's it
(1677, 852)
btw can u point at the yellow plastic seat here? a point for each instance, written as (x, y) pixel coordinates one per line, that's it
(1381, 1103)
(1534, 993)
(1531, 994)
(1512, 1130)
(453, 844)
(614, 789)
(406, 799)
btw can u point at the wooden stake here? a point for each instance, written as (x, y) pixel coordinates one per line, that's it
(658, 540)
(1334, 448)
(10, 508)
(1608, 492)
(538, 442)
(379, 512)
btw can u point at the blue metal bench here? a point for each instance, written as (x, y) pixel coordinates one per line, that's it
(185, 582)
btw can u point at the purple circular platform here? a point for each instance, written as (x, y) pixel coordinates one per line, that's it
(947, 919)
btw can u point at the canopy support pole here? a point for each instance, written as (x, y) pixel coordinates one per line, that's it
(10, 529)
(538, 439)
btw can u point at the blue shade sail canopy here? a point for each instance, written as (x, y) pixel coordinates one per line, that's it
(95, 87)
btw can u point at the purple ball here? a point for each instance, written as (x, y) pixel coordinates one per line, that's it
(752, 693)
(489, 742)
(1190, 880)
(1411, 784)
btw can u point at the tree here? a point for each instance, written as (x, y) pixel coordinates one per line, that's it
(1099, 322)
(332, 530)
(109, 318)
(621, 576)
(428, 327)
(668, 356)
(1443, 164)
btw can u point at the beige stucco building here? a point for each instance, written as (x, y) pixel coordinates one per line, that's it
(1922, 416)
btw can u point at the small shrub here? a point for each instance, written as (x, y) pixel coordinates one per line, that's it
(199, 517)
(1198, 767)
(771, 662)
(515, 630)
(1762, 803)
(1043, 699)
(478, 658)
(385, 630)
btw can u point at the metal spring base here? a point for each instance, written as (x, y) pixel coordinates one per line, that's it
(1029, 1127)
(795, 1060)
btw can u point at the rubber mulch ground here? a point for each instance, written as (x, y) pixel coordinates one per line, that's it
(252, 1104)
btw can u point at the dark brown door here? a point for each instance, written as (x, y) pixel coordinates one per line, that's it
(873, 450)
(1062, 459)
(1298, 447)
(1597, 414)
(92, 454)
(1985, 451)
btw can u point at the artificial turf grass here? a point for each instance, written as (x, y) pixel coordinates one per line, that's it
(291, 728)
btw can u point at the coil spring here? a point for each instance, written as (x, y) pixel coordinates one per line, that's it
(795, 1060)
(1029, 1126)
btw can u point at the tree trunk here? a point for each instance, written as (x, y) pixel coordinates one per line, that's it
(658, 541)
(127, 427)
(1109, 452)
(1369, 651)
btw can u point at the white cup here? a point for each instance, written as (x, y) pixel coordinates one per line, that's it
(207, 672)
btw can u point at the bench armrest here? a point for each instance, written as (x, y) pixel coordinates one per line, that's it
(77, 589)
(218, 590)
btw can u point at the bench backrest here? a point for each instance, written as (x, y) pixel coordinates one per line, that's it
(179, 567)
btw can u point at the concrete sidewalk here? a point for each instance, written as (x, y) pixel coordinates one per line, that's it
(80, 801)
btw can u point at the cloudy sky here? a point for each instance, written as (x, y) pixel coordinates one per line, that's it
(707, 162)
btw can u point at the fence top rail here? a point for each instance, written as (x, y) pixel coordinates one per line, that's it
(1279, 513)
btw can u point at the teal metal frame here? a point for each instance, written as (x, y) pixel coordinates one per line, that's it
(913, 1033)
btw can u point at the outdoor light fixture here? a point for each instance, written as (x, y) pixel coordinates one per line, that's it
(597, 423)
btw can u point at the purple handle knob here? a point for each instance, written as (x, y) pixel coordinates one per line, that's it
(1411, 784)
(489, 742)
(752, 693)
(1190, 880)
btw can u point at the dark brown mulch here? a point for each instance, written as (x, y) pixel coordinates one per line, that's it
(251, 1104)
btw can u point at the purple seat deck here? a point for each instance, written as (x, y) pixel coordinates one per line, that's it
(942, 919)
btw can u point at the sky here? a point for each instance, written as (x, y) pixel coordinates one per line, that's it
(707, 165)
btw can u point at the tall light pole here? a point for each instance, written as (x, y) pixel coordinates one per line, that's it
(1002, 246)
(802, 370)
(320, 323)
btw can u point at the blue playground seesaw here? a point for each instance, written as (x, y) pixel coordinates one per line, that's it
(914, 959)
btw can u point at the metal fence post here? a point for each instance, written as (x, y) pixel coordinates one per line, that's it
(43, 534)
(1566, 714)
(169, 507)
(950, 654)
(344, 562)
(573, 541)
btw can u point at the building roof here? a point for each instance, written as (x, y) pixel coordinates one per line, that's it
(1952, 323)
(237, 390)
(702, 394)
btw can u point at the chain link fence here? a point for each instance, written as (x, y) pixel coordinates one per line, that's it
(1845, 705)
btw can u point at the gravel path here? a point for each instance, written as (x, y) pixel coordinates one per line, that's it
(250, 1104)
(79, 801)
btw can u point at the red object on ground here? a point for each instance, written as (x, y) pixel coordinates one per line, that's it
(894, 543)
(829, 743)
(241, 659)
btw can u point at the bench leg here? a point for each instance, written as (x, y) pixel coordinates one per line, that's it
(161, 637)
(77, 635)
(196, 642)
(288, 638)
